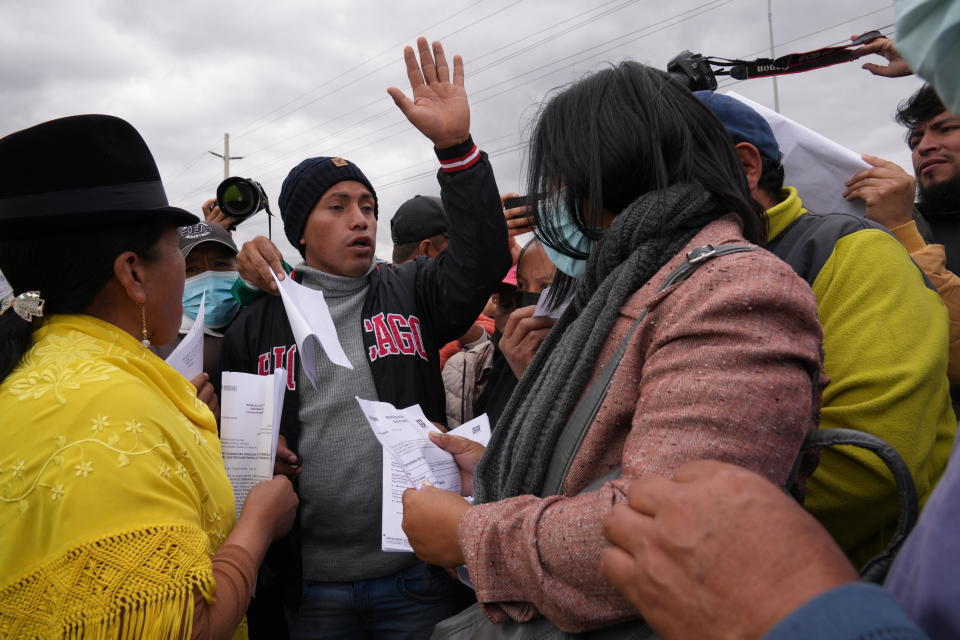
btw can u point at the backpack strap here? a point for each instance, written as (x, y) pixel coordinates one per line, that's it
(876, 568)
(571, 437)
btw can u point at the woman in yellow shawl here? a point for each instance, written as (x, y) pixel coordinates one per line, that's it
(116, 516)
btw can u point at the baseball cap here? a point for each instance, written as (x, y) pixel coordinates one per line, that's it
(418, 218)
(741, 122)
(195, 234)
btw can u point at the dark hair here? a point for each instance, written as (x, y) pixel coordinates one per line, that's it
(620, 133)
(68, 268)
(406, 251)
(771, 178)
(922, 106)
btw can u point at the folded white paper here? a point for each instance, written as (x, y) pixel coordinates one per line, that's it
(311, 323)
(187, 358)
(816, 165)
(250, 408)
(410, 459)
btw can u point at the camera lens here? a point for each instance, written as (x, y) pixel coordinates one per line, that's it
(237, 199)
(240, 198)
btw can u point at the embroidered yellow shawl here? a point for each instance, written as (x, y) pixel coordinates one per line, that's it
(113, 496)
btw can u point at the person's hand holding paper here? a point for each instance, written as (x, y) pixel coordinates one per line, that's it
(814, 164)
(311, 322)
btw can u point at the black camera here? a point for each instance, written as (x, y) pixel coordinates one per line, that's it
(240, 198)
(693, 71)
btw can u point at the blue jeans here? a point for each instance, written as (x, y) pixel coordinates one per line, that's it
(403, 605)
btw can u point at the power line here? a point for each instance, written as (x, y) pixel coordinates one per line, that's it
(473, 74)
(601, 52)
(609, 45)
(351, 69)
(596, 50)
(417, 176)
(374, 71)
(245, 129)
(683, 16)
(186, 167)
(727, 83)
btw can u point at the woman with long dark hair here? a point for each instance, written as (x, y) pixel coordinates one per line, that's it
(116, 515)
(636, 178)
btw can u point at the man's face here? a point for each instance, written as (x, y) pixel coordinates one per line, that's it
(341, 233)
(210, 256)
(936, 148)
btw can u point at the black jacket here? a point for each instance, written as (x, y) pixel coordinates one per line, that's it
(409, 312)
(941, 227)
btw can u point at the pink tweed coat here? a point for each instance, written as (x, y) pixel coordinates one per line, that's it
(720, 369)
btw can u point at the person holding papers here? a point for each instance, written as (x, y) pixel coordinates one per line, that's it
(116, 517)
(884, 340)
(639, 179)
(386, 325)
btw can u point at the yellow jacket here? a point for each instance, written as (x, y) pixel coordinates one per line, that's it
(885, 352)
(113, 496)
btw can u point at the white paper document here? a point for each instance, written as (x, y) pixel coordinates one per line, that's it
(410, 459)
(187, 358)
(477, 430)
(311, 322)
(816, 165)
(403, 434)
(544, 309)
(250, 408)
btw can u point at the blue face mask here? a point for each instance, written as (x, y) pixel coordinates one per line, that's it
(573, 267)
(927, 40)
(220, 307)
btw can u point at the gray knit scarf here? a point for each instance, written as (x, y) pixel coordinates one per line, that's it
(639, 242)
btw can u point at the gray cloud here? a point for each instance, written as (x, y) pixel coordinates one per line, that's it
(294, 79)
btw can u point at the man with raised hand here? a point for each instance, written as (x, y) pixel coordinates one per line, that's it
(391, 320)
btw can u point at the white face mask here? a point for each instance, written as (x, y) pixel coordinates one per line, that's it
(927, 38)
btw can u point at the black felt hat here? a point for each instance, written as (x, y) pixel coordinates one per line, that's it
(81, 170)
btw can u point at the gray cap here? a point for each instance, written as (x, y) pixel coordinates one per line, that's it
(204, 232)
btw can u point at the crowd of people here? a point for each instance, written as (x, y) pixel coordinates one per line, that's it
(654, 333)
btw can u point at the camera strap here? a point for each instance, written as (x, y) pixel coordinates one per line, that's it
(792, 62)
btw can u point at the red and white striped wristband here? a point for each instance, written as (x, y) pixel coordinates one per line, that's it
(459, 163)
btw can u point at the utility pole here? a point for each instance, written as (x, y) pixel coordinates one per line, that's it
(226, 156)
(776, 92)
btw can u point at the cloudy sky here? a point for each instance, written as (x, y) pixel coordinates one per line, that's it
(292, 79)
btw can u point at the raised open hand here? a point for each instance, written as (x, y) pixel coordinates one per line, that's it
(439, 108)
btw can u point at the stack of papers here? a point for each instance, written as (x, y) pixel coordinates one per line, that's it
(250, 408)
(410, 459)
